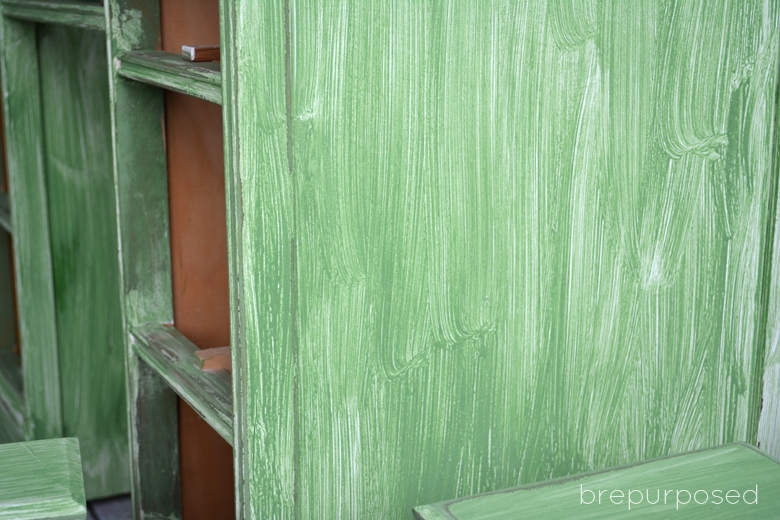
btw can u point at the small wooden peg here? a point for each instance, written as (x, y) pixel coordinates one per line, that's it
(214, 358)
(200, 52)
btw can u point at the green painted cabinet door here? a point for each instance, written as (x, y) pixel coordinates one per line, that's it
(57, 120)
(481, 244)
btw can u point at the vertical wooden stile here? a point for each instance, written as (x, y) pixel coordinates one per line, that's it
(31, 240)
(261, 251)
(142, 207)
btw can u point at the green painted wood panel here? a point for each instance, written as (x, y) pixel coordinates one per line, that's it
(258, 193)
(726, 482)
(82, 214)
(31, 239)
(42, 479)
(477, 245)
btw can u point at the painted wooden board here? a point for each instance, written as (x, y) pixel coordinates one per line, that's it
(259, 214)
(480, 244)
(731, 481)
(82, 213)
(170, 71)
(22, 117)
(42, 479)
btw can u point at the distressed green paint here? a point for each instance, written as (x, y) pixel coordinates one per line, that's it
(82, 214)
(42, 479)
(173, 357)
(735, 467)
(490, 243)
(768, 438)
(74, 14)
(31, 239)
(141, 194)
(258, 190)
(170, 71)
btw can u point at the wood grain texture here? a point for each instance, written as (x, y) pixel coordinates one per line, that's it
(82, 213)
(173, 357)
(75, 14)
(42, 479)
(31, 239)
(169, 71)
(200, 52)
(491, 243)
(214, 358)
(735, 467)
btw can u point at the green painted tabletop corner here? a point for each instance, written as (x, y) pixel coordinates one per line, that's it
(42, 480)
(729, 481)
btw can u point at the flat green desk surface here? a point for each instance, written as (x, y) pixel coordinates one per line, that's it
(42, 479)
(729, 481)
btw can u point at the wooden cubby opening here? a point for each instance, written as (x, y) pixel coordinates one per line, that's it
(196, 184)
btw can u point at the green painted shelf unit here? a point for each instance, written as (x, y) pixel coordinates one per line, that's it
(42, 480)
(61, 215)
(161, 361)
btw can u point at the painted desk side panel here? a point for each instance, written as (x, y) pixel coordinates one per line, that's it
(74, 91)
(528, 241)
(42, 479)
(708, 483)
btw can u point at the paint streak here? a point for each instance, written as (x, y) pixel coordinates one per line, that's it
(74, 83)
(529, 240)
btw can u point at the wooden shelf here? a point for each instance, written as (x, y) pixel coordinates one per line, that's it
(5, 213)
(170, 71)
(173, 357)
(75, 14)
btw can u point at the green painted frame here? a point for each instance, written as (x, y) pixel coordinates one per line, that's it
(31, 238)
(159, 359)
